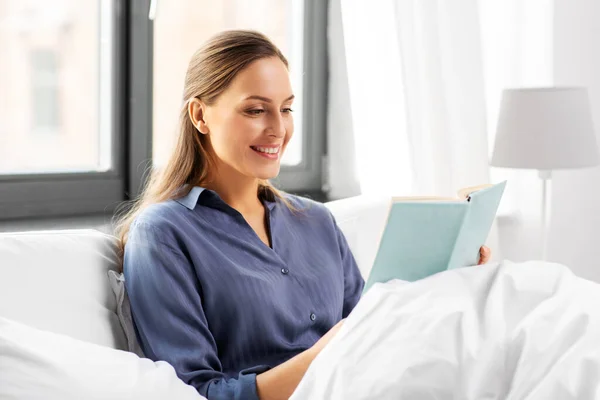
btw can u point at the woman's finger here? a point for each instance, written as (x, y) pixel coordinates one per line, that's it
(484, 254)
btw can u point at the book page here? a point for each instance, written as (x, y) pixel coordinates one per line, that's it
(465, 192)
(462, 195)
(397, 199)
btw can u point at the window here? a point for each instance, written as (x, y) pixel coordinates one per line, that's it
(44, 82)
(51, 101)
(58, 147)
(89, 91)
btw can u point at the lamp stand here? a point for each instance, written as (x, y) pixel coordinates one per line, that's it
(545, 176)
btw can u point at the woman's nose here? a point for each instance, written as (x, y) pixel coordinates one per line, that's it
(277, 127)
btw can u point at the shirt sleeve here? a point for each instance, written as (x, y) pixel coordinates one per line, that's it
(353, 280)
(166, 305)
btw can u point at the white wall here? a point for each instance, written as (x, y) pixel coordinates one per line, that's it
(575, 226)
(519, 238)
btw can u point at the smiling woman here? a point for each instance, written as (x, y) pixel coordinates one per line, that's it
(237, 285)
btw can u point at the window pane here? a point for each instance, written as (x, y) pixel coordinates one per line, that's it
(44, 65)
(184, 25)
(56, 59)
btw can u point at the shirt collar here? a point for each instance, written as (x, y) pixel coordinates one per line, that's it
(191, 199)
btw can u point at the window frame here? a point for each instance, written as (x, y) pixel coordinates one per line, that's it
(308, 175)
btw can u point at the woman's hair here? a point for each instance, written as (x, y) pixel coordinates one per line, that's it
(210, 72)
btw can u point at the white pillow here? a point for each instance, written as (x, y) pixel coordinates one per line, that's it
(36, 364)
(56, 281)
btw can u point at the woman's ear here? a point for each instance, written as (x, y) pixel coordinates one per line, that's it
(197, 113)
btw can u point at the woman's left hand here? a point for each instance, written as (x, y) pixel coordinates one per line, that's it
(484, 255)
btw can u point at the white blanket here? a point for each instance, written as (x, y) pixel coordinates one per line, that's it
(500, 331)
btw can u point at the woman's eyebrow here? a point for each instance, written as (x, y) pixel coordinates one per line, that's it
(266, 99)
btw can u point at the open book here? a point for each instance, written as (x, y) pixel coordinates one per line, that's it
(427, 235)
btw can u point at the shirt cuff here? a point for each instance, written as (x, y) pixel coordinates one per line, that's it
(248, 388)
(243, 388)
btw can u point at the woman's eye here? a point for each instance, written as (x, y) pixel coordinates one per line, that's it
(255, 112)
(287, 110)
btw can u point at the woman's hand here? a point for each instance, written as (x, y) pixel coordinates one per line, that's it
(280, 382)
(484, 255)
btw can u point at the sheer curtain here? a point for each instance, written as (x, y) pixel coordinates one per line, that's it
(415, 94)
(518, 52)
(367, 118)
(414, 91)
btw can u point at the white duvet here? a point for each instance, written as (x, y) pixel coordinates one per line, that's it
(501, 331)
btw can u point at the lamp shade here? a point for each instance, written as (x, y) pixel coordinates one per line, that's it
(545, 129)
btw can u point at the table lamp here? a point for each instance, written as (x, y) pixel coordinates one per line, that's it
(545, 129)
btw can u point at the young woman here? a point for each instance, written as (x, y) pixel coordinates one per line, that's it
(235, 284)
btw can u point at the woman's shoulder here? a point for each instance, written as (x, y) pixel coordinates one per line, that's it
(158, 224)
(305, 207)
(312, 220)
(162, 216)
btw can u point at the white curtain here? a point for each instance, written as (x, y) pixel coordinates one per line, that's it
(416, 95)
(414, 91)
(518, 52)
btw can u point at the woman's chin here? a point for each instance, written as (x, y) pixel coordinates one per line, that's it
(267, 173)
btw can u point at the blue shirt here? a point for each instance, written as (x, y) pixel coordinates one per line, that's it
(210, 298)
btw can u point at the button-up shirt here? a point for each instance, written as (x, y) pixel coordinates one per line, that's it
(212, 299)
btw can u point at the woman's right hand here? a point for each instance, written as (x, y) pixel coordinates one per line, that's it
(280, 382)
(321, 343)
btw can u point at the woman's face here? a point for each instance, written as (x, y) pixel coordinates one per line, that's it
(251, 123)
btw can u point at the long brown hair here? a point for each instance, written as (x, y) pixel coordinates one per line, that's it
(211, 70)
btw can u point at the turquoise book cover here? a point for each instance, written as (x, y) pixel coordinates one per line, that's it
(427, 235)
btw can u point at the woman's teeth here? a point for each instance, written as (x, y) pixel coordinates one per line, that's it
(268, 150)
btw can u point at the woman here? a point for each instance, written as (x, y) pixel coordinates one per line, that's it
(235, 284)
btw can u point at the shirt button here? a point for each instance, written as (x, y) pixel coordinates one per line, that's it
(285, 271)
(313, 317)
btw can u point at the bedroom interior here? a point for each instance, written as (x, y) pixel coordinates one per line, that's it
(393, 98)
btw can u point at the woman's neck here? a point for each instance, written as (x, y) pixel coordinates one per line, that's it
(238, 191)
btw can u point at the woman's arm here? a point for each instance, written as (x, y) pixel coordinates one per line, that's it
(353, 280)
(169, 316)
(281, 381)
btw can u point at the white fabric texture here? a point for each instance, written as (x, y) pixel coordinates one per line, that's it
(40, 365)
(413, 114)
(518, 43)
(500, 331)
(57, 281)
(407, 113)
(342, 175)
